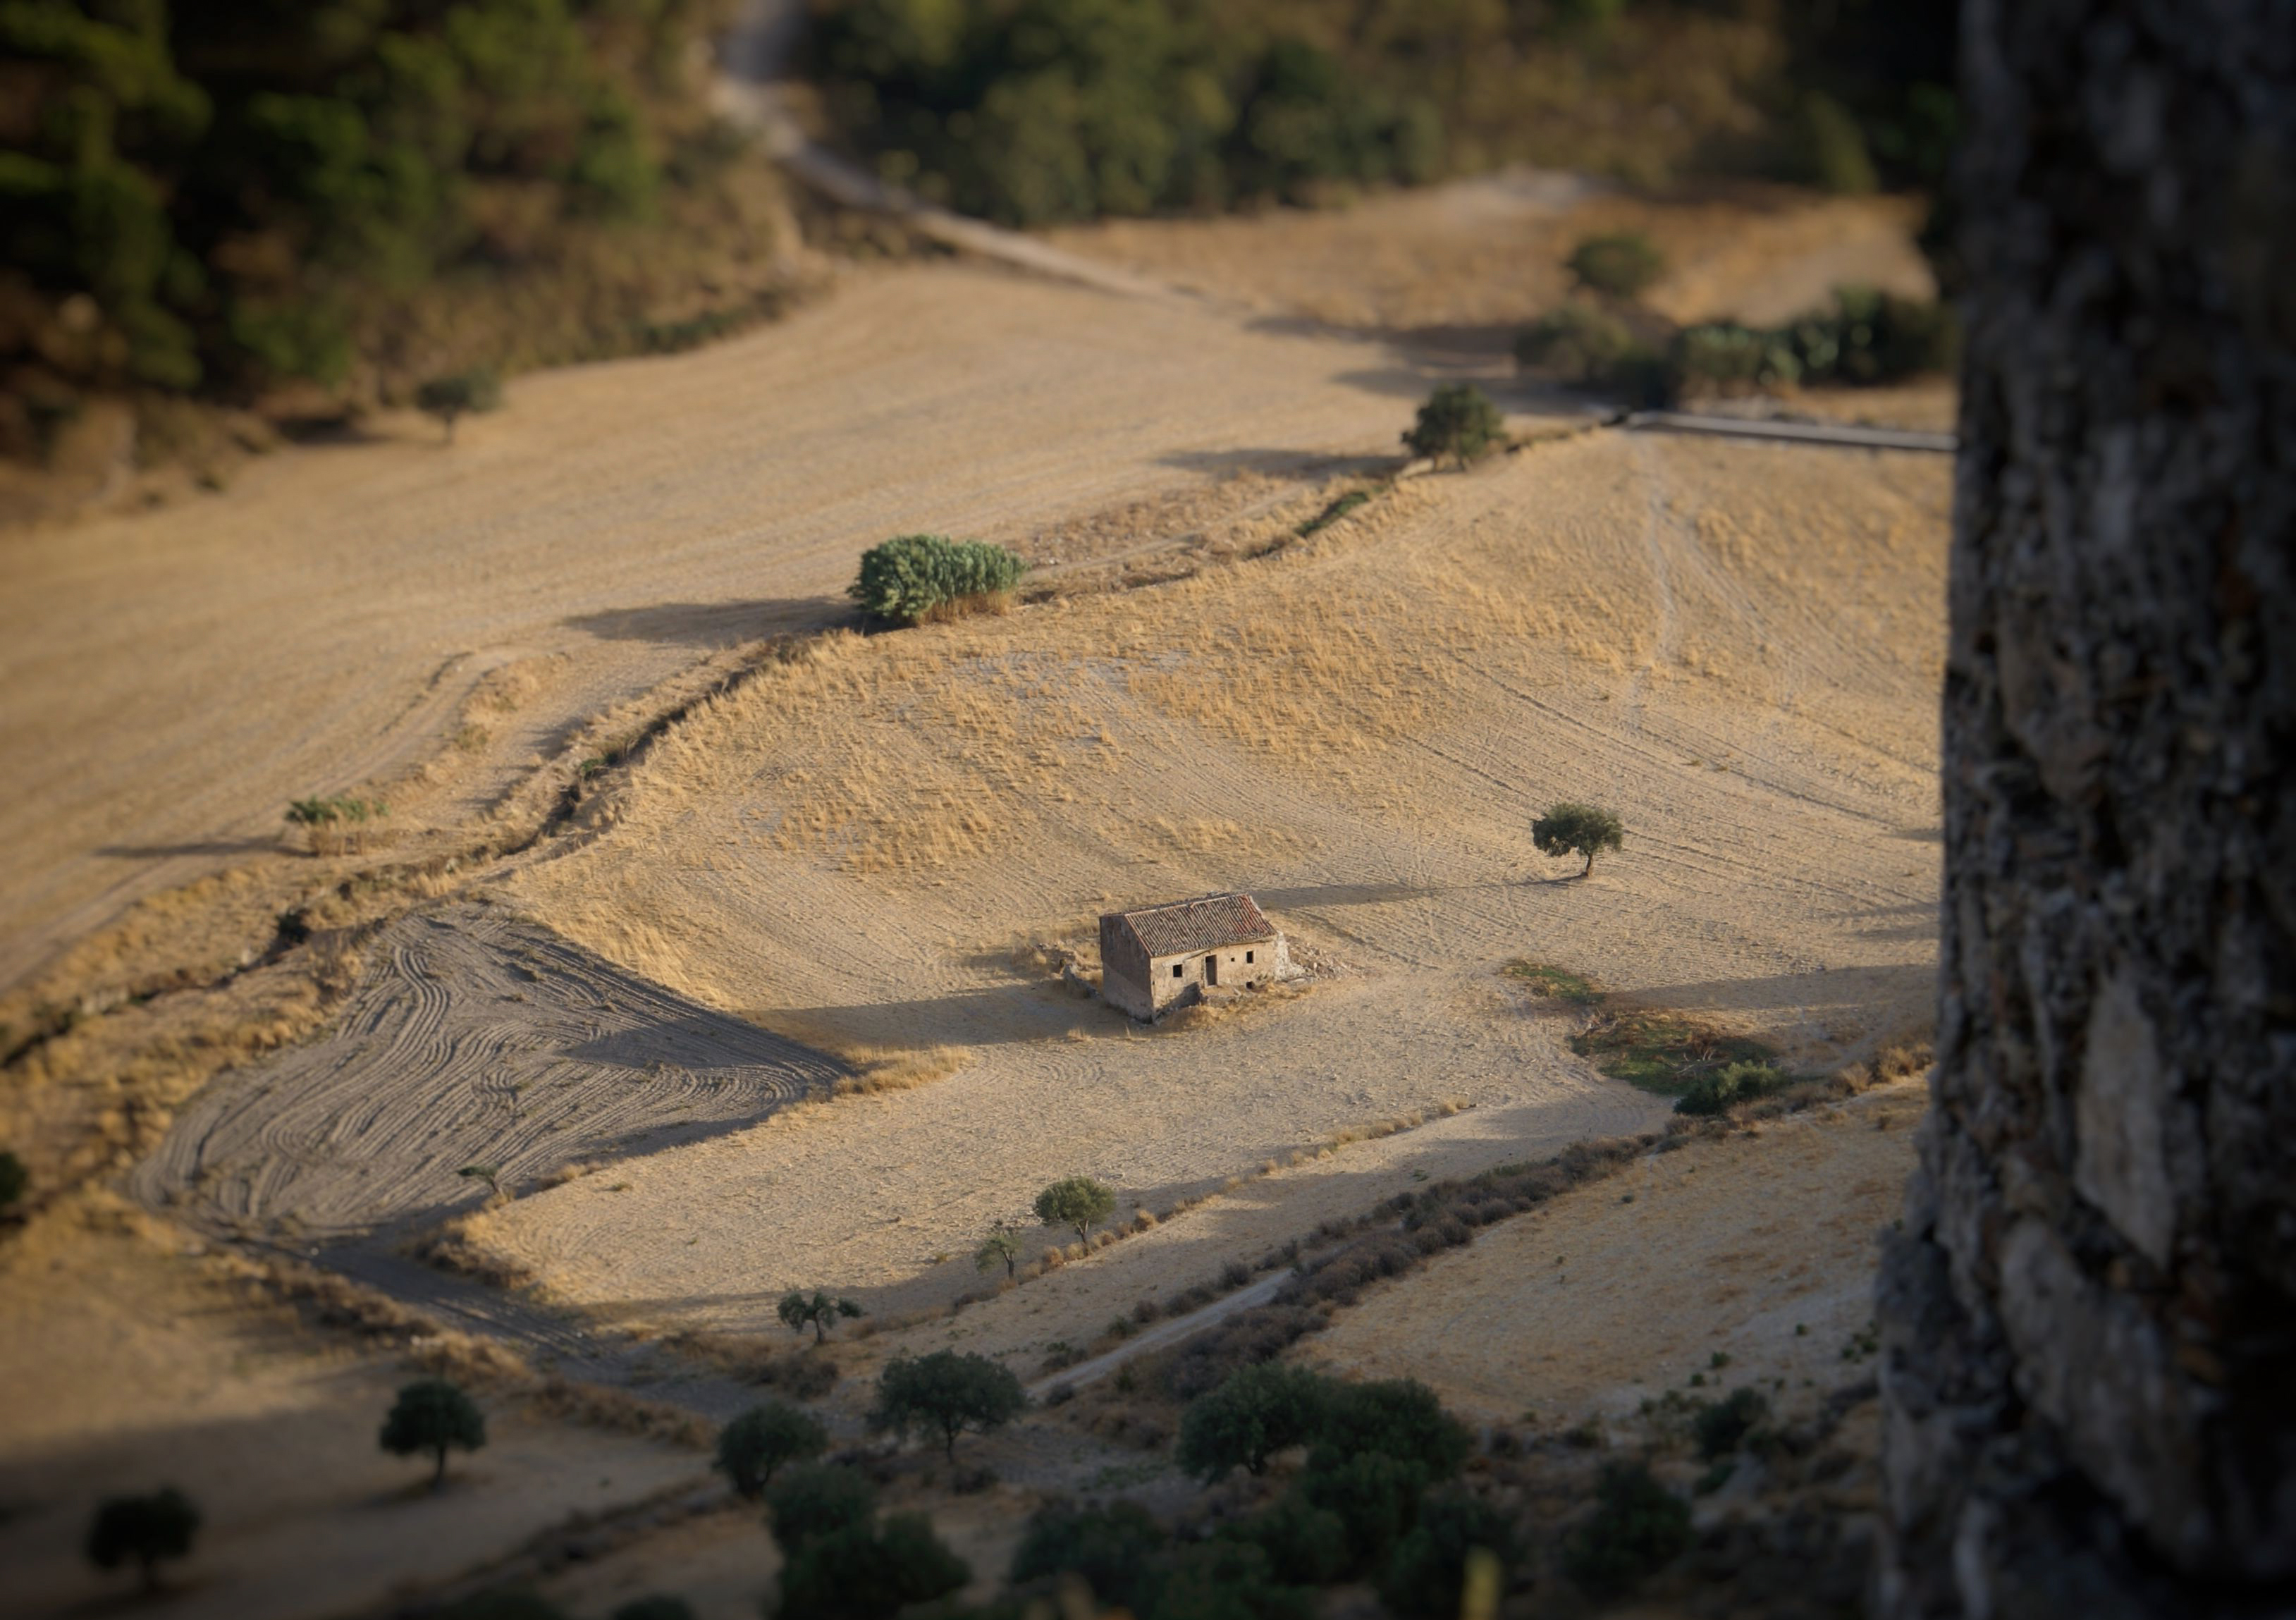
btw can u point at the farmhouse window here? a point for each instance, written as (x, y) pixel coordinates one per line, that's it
(1246, 956)
(1179, 970)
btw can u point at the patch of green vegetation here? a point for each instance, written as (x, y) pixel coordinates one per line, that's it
(1661, 1052)
(1555, 984)
(1354, 500)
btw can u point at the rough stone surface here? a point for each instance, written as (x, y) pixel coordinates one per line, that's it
(2089, 1319)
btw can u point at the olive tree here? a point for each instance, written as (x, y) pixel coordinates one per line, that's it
(1001, 1247)
(1458, 421)
(1583, 830)
(799, 1310)
(457, 394)
(432, 1415)
(142, 1530)
(762, 1439)
(1256, 1412)
(1079, 1202)
(946, 1393)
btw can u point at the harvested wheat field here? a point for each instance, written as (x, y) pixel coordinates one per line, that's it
(1745, 1261)
(874, 847)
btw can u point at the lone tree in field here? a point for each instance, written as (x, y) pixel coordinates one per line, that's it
(2085, 1322)
(1458, 421)
(432, 1415)
(458, 393)
(1583, 830)
(142, 1530)
(799, 1310)
(946, 1393)
(764, 1438)
(1079, 1202)
(1001, 1247)
(1256, 1412)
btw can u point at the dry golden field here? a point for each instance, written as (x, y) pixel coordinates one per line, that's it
(881, 846)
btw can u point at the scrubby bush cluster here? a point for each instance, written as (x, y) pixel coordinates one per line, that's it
(1623, 264)
(906, 578)
(1053, 110)
(1719, 1093)
(842, 1563)
(1374, 1501)
(211, 194)
(1458, 421)
(762, 1440)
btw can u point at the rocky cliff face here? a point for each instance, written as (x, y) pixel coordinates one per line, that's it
(2089, 1319)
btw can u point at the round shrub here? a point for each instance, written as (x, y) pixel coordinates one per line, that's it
(870, 1572)
(762, 1439)
(1425, 1576)
(1623, 264)
(909, 576)
(1458, 421)
(1113, 1549)
(1710, 1094)
(1256, 1412)
(946, 1394)
(1398, 1418)
(1304, 1545)
(1374, 1497)
(145, 1531)
(818, 1498)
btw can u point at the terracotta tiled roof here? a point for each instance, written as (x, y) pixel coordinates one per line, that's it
(1205, 923)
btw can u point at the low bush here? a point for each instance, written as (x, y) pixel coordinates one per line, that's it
(762, 1440)
(1622, 264)
(145, 1531)
(1458, 421)
(1304, 1545)
(1638, 1528)
(1258, 1411)
(1425, 1577)
(816, 1499)
(910, 576)
(1711, 1094)
(1113, 1549)
(1580, 344)
(1726, 1426)
(1865, 337)
(332, 824)
(865, 1572)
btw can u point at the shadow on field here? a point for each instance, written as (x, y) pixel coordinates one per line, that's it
(1860, 997)
(721, 624)
(209, 846)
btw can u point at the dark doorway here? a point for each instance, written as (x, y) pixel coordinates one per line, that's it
(1211, 968)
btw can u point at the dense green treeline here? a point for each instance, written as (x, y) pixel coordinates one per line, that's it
(1037, 110)
(216, 195)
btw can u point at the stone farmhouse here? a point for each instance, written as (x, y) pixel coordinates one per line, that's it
(1160, 957)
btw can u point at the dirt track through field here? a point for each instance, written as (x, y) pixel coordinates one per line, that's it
(475, 1039)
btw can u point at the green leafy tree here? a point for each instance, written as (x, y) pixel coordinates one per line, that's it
(1079, 1202)
(1375, 1498)
(145, 1531)
(1304, 1545)
(1458, 421)
(1256, 1412)
(764, 1438)
(1638, 1528)
(1001, 1247)
(432, 1415)
(1398, 1418)
(865, 1572)
(459, 394)
(1574, 828)
(816, 1499)
(909, 576)
(799, 1310)
(1114, 1547)
(946, 1394)
(1622, 266)
(1428, 1571)
(14, 1179)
